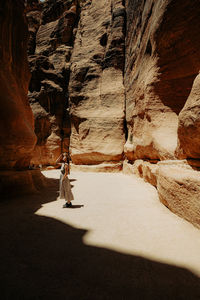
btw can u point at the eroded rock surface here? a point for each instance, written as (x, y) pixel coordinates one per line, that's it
(179, 189)
(162, 60)
(96, 84)
(51, 27)
(189, 124)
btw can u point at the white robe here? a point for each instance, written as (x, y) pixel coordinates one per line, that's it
(65, 186)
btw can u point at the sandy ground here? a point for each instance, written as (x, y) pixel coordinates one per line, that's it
(117, 242)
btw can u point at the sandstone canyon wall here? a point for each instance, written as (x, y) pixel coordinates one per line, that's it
(17, 124)
(162, 61)
(92, 66)
(128, 71)
(17, 136)
(51, 29)
(162, 100)
(96, 84)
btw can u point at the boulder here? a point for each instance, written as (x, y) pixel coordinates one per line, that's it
(179, 189)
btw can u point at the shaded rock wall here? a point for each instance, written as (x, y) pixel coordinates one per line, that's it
(51, 27)
(17, 124)
(16, 130)
(96, 84)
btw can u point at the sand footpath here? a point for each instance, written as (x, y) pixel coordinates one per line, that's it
(124, 214)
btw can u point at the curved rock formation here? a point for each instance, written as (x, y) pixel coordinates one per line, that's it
(16, 132)
(17, 124)
(189, 124)
(162, 60)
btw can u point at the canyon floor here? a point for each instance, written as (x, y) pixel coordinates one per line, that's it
(117, 242)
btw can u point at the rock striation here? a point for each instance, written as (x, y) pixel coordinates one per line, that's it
(179, 189)
(51, 28)
(96, 90)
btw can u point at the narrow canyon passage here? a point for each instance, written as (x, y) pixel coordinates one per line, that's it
(118, 242)
(113, 86)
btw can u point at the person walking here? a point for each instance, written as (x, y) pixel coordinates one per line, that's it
(65, 187)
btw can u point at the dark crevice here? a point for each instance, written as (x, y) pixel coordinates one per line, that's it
(104, 39)
(149, 48)
(124, 55)
(66, 119)
(125, 129)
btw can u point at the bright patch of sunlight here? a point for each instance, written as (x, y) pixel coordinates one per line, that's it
(124, 214)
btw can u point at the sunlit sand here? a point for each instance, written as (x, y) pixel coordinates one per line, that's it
(124, 214)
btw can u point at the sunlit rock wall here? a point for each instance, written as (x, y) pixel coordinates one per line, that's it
(162, 61)
(163, 100)
(189, 125)
(96, 88)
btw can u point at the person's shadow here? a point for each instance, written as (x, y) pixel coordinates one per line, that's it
(43, 258)
(72, 180)
(76, 206)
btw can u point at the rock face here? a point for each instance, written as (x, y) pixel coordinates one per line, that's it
(177, 183)
(163, 98)
(179, 189)
(33, 15)
(189, 124)
(51, 27)
(162, 61)
(16, 131)
(96, 84)
(17, 124)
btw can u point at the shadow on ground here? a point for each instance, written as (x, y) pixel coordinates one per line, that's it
(42, 258)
